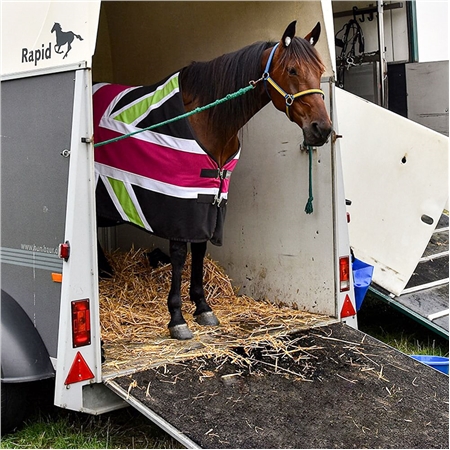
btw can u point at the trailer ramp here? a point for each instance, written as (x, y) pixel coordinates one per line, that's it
(327, 387)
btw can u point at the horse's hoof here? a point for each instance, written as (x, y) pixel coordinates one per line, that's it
(180, 332)
(207, 318)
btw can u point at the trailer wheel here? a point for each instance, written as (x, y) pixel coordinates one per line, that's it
(14, 405)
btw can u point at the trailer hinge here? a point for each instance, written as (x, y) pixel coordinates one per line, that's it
(86, 140)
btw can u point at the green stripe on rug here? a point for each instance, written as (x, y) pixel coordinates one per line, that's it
(126, 201)
(138, 109)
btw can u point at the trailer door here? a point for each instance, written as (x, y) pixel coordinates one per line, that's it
(36, 129)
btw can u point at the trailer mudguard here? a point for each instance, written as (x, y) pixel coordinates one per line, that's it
(24, 355)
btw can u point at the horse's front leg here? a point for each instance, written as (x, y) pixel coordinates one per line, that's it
(69, 47)
(203, 313)
(177, 326)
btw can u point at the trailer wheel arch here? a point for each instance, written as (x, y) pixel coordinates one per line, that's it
(24, 356)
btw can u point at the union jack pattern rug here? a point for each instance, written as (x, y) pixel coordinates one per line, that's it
(160, 180)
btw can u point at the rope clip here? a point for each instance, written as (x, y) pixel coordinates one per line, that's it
(253, 83)
(306, 148)
(217, 200)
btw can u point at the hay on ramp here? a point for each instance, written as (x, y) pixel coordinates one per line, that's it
(134, 316)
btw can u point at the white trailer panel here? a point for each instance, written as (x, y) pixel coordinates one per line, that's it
(396, 175)
(36, 47)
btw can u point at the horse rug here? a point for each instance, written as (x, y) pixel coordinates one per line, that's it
(160, 180)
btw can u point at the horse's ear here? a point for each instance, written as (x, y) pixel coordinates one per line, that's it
(313, 37)
(289, 34)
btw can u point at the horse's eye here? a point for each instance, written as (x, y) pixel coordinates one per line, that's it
(292, 71)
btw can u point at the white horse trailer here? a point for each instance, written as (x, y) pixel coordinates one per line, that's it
(49, 235)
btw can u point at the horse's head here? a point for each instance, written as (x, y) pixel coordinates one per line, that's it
(56, 27)
(292, 72)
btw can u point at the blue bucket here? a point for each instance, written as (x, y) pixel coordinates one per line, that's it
(437, 362)
(362, 277)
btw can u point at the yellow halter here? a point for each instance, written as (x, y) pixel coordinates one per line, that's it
(288, 97)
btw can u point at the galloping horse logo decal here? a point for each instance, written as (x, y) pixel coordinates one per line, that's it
(64, 37)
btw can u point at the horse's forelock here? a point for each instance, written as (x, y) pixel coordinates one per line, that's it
(305, 55)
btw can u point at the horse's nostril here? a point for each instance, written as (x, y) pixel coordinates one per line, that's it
(320, 130)
(316, 129)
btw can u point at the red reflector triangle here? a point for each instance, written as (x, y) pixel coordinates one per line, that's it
(79, 371)
(347, 308)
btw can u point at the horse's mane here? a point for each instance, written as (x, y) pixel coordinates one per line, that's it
(209, 81)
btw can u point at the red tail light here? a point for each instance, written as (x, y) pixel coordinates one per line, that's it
(344, 273)
(81, 323)
(64, 250)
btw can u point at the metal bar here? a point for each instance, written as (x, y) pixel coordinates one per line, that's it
(440, 230)
(367, 10)
(425, 286)
(382, 47)
(438, 314)
(45, 71)
(435, 256)
(411, 20)
(155, 418)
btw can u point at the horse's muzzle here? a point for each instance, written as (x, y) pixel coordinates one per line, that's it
(317, 133)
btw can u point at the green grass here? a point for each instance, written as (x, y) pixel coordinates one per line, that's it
(51, 427)
(47, 426)
(62, 429)
(46, 432)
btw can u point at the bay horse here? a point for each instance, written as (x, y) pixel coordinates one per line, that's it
(181, 194)
(64, 37)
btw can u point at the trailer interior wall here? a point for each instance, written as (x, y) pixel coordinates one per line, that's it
(142, 42)
(271, 247)
(426, 106)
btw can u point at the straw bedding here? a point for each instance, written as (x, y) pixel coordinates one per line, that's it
(134, 317)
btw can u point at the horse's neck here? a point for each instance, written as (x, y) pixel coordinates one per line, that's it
(219, 144)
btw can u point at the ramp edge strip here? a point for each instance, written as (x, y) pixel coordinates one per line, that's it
(433, 257)
(155, 418)
(439, 314)
(422, 287)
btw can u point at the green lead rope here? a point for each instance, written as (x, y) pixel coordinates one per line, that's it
(309, 204)
(228, 97)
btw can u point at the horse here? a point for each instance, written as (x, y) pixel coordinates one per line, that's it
(64, 37)
(189, 207)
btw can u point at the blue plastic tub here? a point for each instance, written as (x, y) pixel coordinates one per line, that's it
(362, 277)
(437, 362)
